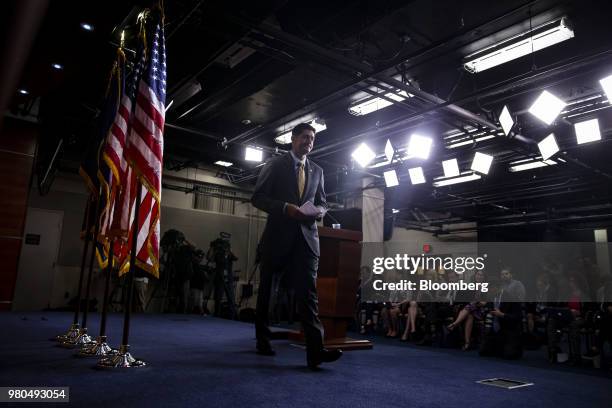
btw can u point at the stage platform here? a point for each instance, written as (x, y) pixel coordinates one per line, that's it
(208, 362)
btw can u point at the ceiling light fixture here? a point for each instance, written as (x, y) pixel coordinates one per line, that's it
(391, 178)
(253, 154)
(547, 107)
(587, 131)
(389, 152)
(520, 45)
(419, 146)
(606, 84)
(285, 137)
(416, 175)
(223, 163)
(451, 168)
(369, 105)
(464, 178)
(548, 146)
(531, 164)
(87, 27)
(506, 120)
(363, 155)
(482, 163)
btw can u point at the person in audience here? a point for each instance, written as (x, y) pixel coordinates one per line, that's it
(398, 304)
(569, 314)
(425, 300)
(474, 310)
(602, 320)
(503, 339)
(545, 292)
(513, 288)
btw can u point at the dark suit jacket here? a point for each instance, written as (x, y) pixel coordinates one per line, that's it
(277, 185)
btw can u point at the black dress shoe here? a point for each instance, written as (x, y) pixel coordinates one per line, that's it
(324, 356)
(265, 349)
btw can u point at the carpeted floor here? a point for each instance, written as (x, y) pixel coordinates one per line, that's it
(202, 361)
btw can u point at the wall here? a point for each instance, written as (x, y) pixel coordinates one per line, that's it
(17, 148)
(68, 194)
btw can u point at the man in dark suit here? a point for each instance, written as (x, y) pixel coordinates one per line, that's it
(290, 241)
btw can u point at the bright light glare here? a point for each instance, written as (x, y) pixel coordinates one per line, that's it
(547, 107)
(482, 163)
(391, 178)
(419, 146)
(253, 154)
(587, 131)
(416, 175)
(363, 155)
(548, 146)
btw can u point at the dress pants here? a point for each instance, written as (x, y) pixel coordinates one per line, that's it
(301, 266)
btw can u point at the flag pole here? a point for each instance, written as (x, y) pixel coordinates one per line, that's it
(83, 338)
(73, 331)
(100, 347)
(123, 359)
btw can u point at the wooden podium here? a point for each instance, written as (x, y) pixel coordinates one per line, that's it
(337, 284)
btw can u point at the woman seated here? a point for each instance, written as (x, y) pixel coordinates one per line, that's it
(470, 312)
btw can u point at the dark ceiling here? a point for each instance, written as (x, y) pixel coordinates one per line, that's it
(262, 67)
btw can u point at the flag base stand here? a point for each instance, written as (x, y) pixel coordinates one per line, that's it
(123, 359)
(99, 348)
(71, 334)
(81, 340)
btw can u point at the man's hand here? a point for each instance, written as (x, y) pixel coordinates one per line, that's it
(497, 313)
(293, 211)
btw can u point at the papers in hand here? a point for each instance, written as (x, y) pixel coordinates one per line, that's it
(309, 210)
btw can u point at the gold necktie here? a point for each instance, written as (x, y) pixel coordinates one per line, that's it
(301, 179)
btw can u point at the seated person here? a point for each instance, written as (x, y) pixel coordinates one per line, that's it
(546, 291)
(397, 305)
(503, 339)
(568, 314)
(414, 306)
(474, 310)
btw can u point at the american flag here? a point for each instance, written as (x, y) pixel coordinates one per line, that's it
(145, 147)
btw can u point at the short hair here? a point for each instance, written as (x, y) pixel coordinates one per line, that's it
(301, 127)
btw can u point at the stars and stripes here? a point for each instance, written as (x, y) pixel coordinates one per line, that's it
(145, 150)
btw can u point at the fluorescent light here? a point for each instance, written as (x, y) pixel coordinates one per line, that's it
(534, 164)
(587, 131)
(87, 27)
(547, 107)
(318, 124)
(23, 91)
(482, 163)
(223, 163)
(57, 66)
(548, 146)
(469, 176)
(391, 178)
(389, 152)
(519, 45)
(606, 84)
(370, 105)
(285, 137)
(416, 175)
(451, 168)
(506, 120)
(394, 211)
(469, 141)
(363, 155)
(419, 146)
(253, 154)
